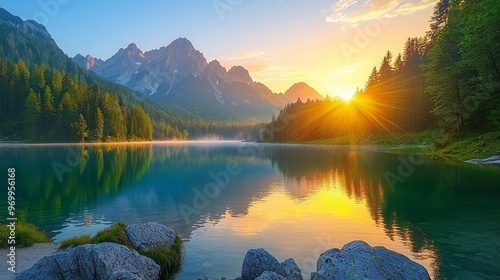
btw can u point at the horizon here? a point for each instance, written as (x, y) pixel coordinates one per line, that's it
(332, 47)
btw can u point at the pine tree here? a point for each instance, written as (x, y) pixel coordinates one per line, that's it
(48, 110)
(81, 129)
(386, 71)
(99, 126)
(373, 79)
(31, 115)
(439, 18)
(398, 65)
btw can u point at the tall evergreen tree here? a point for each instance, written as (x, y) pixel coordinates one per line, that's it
(99, 126)
(81, 129)
(31, 115)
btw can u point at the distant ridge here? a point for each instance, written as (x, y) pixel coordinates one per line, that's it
(180, 75)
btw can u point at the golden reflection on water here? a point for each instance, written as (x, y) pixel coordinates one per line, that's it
(322, 213)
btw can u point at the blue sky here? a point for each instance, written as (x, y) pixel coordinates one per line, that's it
(331, 45)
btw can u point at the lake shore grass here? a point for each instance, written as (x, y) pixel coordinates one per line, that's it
(168, 258)
(25, 235)
(473, 146)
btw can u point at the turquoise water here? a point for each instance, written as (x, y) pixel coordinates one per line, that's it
(295, 201)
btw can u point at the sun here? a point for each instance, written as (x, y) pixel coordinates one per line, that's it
(346, 96)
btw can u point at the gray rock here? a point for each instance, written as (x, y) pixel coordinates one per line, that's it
(258, 261)
(491, 160)
(358, 260)
(269, 275)
(203, 278)
(93, 261)
(148, 235)
(293, 271)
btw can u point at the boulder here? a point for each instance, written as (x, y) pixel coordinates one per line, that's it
(93, 261)
(358, 260)
(258, 261)
(292, 270)
(148, 235)
(269, 275)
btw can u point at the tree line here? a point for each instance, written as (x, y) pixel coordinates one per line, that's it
(463, 68)
(42, 59)
(49, 105)
(449, 78)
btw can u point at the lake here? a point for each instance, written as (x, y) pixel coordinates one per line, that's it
(297, 201)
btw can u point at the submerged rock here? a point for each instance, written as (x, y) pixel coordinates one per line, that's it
(148, 235)
(258, 261)
(358, 260)
(93, 261)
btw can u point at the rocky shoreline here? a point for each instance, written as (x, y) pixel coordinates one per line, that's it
(355, 260)
(493, 160)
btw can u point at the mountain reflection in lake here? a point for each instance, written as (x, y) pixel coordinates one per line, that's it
(293, 200)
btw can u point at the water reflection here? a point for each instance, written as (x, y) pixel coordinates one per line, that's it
(296, 201)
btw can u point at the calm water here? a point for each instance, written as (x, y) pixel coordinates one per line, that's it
(293, 200)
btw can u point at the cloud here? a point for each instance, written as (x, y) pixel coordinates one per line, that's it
(354, 11)
(244, 55)
(255, 67)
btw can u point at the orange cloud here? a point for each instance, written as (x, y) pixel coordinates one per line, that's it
(355, 11)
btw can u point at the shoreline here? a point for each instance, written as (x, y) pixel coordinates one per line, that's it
(475, 149)
(26, 257)
(159, 142)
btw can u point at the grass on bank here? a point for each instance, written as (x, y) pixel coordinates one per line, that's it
(169, 259)
(470, 147)
(423, 138)
(426, 142)
(26, 234)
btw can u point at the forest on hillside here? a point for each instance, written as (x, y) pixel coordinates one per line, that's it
(45, 104)
(45, 97)
(449, 78)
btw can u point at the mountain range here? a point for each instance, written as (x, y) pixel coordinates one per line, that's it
(176, 80)
(180, 75)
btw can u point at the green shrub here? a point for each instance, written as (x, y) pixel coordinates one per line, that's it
(76, 241)
(26, 235)
(169, 259)
(115, 233)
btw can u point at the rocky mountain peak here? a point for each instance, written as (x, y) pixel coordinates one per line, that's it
(217, 68)
(131, 52)
(240, 75)
(25, 26)
(87, 62)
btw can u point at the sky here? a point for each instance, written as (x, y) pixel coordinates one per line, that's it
(332, 45)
